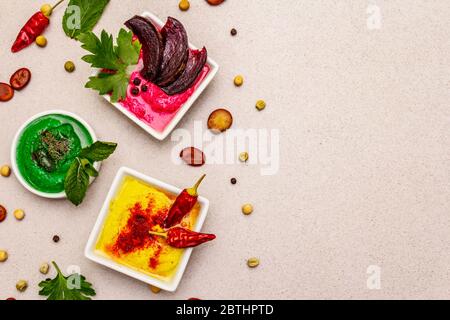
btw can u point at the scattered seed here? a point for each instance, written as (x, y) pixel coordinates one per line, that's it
(233, 32)
(253, 262)
(56, 239)
(137, 81)
(19, 214)
(247, 209)
(3, 255)
(260, 105)
(184, 5)
(5, 171)
(135, 91)
(154, 289)
(233, 181)
(3, 213)
(44, 268)
(21, 285)
(69, 66)
(243, 156)
(41, 41)
(238, 81)
(144, 88)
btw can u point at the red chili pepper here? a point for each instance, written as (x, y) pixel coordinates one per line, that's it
(32, 29)
(182, 205)
(183, 238)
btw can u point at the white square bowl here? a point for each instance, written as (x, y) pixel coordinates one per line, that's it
(214, 68)
(91, 253)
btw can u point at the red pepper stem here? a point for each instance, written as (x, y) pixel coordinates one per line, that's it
(57, 4)
(194, 190)
(160, 234)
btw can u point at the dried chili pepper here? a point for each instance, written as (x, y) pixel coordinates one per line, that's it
(34, 27)
(183, 238)
(182, 205)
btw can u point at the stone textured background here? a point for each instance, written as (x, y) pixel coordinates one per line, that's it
(364, 129)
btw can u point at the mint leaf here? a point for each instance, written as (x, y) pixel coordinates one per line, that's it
(89, 168)
(76, 182)
(91, 171)
(77, 178)
(98, 151)
(82, 15)
(73, 287)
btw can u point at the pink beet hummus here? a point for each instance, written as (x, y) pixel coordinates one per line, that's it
(154, 107)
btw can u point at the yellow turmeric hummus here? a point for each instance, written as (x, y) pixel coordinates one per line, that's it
(137, 209)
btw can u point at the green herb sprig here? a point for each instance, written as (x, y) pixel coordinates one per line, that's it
(112, 60)
(82, 168)
(62, 288)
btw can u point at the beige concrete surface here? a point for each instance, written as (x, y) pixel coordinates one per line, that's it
(364, 151)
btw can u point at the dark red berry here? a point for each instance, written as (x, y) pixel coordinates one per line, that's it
(56, 238)
(233, 181)
(144, 88)
(11, 298)
(135, 91)
(233, 32)
(137, 81)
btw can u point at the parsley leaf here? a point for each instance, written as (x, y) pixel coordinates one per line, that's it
(103, 53)
(104, 83)
(73, 287)
(127, 50)
(114, 59)
(82, 15)
(77, 178)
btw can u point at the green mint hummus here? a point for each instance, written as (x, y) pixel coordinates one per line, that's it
(47, 147)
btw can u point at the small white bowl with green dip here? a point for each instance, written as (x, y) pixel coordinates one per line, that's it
(45, 146)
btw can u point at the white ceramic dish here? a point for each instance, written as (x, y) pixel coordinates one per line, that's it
(214, 68)
(91, 253)
(60, 195)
